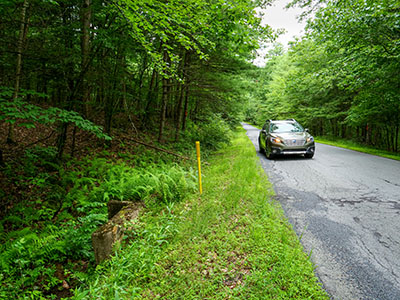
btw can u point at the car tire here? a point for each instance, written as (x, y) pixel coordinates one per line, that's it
(259, 146)
(309, 155)
(269, 155)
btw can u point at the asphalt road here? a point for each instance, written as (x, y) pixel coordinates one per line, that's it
(345, 207)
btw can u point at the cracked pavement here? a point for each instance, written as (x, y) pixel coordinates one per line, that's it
(345, 207)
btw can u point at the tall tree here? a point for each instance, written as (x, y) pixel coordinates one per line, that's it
(22, 35)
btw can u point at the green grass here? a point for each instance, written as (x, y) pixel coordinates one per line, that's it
(356, 147)
(232, 242)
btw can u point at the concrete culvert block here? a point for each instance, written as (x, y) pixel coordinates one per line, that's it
(114, 206)
(105, 237)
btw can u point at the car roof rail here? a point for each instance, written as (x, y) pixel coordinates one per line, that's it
(291, 120)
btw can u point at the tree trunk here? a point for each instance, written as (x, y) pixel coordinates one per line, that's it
(387, 138)
(179, 112)
(366, 134)
(113, 101)
(164, 101)
(344, 131)
(140, 79)
(22, 35)
(2, 164)
(185, 110)
(61, 140)
(86, 15)
(150, 95)
(73, 141)
(67, 102)
(396, 146)
(181, 90)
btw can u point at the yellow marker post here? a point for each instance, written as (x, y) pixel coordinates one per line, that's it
(199, 165)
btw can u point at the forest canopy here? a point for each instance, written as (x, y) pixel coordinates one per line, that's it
(152, 61)
(342, 78)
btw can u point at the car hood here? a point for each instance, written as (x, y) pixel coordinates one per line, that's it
(292, 135)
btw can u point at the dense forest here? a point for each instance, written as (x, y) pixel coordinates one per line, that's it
(104, 100)
(341, 79)
(151, 60)
(95, 97)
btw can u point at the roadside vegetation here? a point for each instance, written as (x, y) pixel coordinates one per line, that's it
(231, 242)
(103, 100)
(340, 79)
(53, 209)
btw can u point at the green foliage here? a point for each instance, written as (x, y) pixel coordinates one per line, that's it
(130, 53)
(135, 261)
(188, 25)
(25, 259)
(213, 133)
(340, 79)
(58, 228)
(232, 242)
(162, 183)
(29, 114)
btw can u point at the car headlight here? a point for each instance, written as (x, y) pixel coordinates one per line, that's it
(276, 140)
(310, 139)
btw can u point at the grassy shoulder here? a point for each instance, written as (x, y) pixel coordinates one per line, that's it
(356, 147)
(232, 242)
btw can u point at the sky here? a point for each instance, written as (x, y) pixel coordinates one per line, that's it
(277, 16)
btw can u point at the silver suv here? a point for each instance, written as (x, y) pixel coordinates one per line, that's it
(285, 137)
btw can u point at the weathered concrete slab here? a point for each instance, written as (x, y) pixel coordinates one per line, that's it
(105, 237)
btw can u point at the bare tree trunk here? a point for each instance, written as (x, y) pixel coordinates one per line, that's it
(396, 146)
(61, 140)
(343, 131)
(366, 134)
(179, 112)
(164, 102)
(2, 164)
(185, 110)
(67, 101)
(180, 99)
(150, 95)
(141, 76)
(73, 141)
(22, 36)
(388, 138)
(85, 48)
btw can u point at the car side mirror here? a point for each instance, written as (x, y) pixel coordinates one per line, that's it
(306, 130)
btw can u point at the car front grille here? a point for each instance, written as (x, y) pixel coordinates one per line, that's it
(295, 142)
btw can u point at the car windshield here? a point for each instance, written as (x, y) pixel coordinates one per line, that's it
(286, 127)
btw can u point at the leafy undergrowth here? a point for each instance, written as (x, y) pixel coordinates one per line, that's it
(232, 242)
(356, 146)
(49, 208)
(46, 249)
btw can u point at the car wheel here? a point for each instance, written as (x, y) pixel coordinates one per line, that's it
(259, 146)
(309, 155)
(269, 155)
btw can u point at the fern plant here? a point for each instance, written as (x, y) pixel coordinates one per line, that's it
(43, 235)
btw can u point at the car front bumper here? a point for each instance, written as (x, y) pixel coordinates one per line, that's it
(292, 151)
